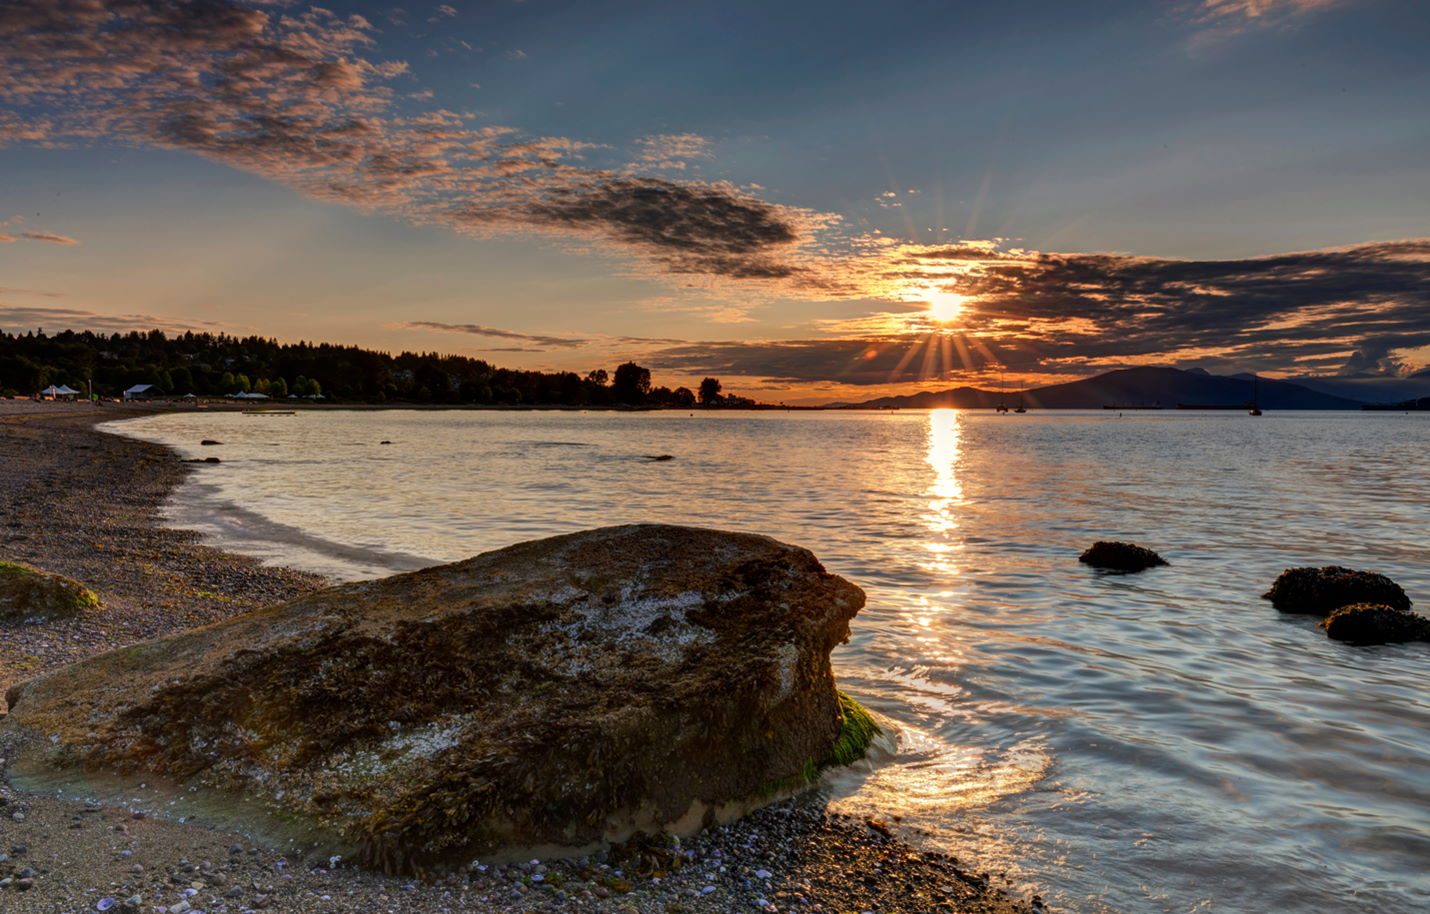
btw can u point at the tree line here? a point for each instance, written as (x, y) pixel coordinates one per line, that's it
(216, 365)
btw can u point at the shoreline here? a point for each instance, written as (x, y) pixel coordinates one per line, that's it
(85, 503)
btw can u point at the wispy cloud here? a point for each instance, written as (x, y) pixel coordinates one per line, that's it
(48, 237)
(557, 342)
(5, 291)
(1226, 17)
(672, 150)
(14, 316)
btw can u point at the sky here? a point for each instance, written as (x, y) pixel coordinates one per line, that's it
(810, 201)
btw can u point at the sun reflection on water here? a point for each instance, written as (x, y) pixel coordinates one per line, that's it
(941, 765)
(944, 455)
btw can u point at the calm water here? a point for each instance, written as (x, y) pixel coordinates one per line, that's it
(1156, 742)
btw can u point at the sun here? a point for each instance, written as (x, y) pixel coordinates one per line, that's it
(945, 307)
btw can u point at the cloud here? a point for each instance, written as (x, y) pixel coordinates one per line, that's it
(76, 319)
(1229, 17)
(672, 150)
(4, 291)
(847, 361)
(561, 342)
(295, 94)
(48, 237)
(7, 239)
(1341, 310)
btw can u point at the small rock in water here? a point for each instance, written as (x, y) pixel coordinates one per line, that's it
(1118, 556)
(1371, 623)
(1318, 591)
(208, 442)
(659, 456)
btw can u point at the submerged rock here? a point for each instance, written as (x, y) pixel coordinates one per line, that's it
(1117, 556)
(554, 694)
(1318, 591)
(1373, 623)
(28, 594)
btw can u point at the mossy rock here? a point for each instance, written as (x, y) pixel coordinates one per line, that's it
(1319, 591)
(1371, 623)
(30, 595)
(1118, 556)
(554, 695)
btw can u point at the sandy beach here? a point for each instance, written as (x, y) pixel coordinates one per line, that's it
(86, 504)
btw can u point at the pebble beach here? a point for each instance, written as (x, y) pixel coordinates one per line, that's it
(86, 504)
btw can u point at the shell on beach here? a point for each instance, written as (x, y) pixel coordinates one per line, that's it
(552, 695)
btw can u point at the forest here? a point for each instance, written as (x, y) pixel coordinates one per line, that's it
(217, 365)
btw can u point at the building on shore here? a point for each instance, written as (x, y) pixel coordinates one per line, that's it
(143, 392)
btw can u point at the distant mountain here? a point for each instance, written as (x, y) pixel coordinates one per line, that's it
(1370, 388)
(1129, 387)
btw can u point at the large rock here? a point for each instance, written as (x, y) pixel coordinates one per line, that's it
(552, 695)
(1371, 623)
(1118, 556)
(1318, 591)
(30, 595)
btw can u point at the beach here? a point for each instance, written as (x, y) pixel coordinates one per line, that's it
(87, 505)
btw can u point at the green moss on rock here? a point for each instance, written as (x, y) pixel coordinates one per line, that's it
(28, 594)
(857, 730)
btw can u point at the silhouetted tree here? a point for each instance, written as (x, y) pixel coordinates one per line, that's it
(632, 383)
(709, 392)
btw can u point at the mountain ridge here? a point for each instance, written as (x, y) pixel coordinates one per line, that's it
(1129, 388)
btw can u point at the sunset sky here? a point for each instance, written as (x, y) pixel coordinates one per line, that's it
(812, 201)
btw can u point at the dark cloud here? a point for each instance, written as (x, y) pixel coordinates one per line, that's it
(684, 226)
(847, 361)
(1336, 311)
(1297, 311)
(563, 342)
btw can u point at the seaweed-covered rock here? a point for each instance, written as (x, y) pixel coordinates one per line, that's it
(1318, 591)
(1116, 556)
(1373, 623)
(552, 695)
(28, 594)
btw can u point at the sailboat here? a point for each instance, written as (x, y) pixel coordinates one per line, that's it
(1254, 409)
(1001, 407)
(1020, 408)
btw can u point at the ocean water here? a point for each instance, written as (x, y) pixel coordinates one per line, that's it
(1159, 742)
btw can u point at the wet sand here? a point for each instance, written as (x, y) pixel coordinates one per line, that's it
(86, 504)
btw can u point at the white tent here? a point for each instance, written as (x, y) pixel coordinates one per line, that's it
(54, 393)
(249, 396)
